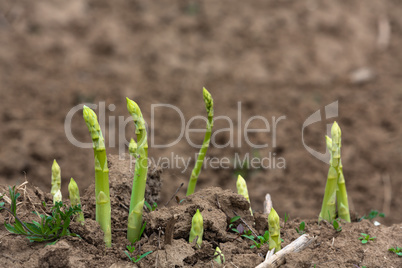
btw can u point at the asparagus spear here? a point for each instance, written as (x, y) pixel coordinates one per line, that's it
(74, 194)
(197, 228)
(209, 105)
(101, 174)
(341, 194)
(274, 231)
(220, 258)
(140, 174)
(56, 178)
(335, 188)
(242, 190)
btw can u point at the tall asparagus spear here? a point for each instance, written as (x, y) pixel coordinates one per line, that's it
(140, 173)
(274, 231)
(335, 188)
(209, 105)
(341, 194)
(75, 200)
(103, 209)
(56, 178)
(242, 190)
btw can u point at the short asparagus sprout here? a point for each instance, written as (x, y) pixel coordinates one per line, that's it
(274, 231)
(103, 210)
(242, 189)
(140, 173)
(197, 228)
(74, 194)
(209, 105)
(335, 189)
(57, 197)
(56, 178)
(220, 258)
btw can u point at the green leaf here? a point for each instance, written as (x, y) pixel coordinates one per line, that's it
(128, 255)
(266, 235)
(148, 205)
(52, 243)
(364, 241)
(302, 226)
(33, 228)
(142, 256)
(11, 229)
(142, 229)
(232, 220)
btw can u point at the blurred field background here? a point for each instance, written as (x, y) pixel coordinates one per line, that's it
(277, 58)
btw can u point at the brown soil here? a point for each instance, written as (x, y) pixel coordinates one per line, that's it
(169, 241)
(278, 58)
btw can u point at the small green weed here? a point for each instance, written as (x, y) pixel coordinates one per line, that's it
(397, 251)
(263, 239)
(131, 248)
(301, 228)
(285, 219)
(232, 221)
(336, 225)
(366, 238)
(51, 228)
(372, 215)
(241, 230)
(149, 207)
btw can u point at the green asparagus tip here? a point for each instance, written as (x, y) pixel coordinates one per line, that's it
(336, 132)
(56, 178)
(242, 187)
(90, 116)
(209, 102)
(197, 228)
(274, 230)
(92, 122)
(55, 168)
(133, 109)
(72, 186)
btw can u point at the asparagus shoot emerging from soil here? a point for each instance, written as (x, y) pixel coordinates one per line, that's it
(103, 209)
(242, 189)
(74, 194)
(57, 197)
(140, 173)
(197, 228)
(220, 258)
(56, 178)
(274, 231)
(209, 105)
(335, 188)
